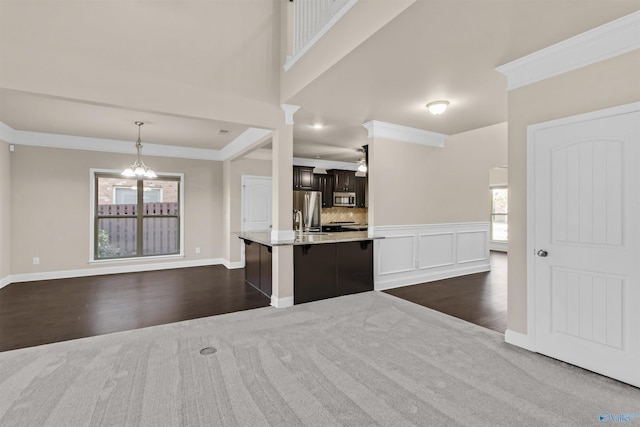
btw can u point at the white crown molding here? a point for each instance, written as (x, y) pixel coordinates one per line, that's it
(7, 134)
(243, 143)
(600, 43)
(289, 111)
(385, 130)
(40, 139)
(324, 164)
(292, 59)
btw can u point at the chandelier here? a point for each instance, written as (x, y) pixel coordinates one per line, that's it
(138, 169)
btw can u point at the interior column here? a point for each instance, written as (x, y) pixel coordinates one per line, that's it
(282, 214)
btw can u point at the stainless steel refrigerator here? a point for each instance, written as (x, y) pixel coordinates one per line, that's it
(309, 203)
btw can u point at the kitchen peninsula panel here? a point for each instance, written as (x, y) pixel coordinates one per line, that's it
(325, 265)
(331, 270)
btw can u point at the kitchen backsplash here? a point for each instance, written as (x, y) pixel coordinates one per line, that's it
(357, 215)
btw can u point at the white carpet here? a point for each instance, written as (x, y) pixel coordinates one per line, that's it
(366, 359)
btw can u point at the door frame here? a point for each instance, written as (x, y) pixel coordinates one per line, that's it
(531, 225)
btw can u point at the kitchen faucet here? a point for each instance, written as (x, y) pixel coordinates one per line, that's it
(297, 217)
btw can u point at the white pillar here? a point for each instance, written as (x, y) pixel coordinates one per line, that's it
(282, 180)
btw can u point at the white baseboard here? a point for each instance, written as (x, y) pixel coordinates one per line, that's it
(518, 339)
(281, 302)
(99, 271)
(383, 284)
(232, 265)
(5, 281)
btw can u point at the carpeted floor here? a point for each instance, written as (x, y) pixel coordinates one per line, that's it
(366, 359)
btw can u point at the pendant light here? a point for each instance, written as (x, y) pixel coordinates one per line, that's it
(138, 169)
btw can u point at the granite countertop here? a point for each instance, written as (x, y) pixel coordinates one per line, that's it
(264, 237)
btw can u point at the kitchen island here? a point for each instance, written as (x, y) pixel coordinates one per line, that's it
(325, 265)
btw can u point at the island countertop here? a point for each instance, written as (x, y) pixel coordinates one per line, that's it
(313, 238)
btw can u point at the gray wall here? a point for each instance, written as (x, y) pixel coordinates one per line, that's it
(415, 184)
(5, 210)
(51, 206)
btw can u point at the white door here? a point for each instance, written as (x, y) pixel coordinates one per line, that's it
(586, 240)
(256, 203)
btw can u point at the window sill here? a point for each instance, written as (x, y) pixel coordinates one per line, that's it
(135, 259)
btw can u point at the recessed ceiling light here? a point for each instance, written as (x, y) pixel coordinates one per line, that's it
(224, 132)
(437, 107)
(318, 125)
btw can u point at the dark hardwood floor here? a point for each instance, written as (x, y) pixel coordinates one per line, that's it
(479, 298)
(35, 313)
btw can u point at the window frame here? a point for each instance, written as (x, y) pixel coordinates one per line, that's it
(493, 214)
(93, 217)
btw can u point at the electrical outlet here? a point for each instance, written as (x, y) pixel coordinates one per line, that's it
(198, 250)
(36, 260)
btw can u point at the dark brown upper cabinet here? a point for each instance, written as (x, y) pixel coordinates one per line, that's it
(324, 184)
(344, 180)
(302, 178)
(361, 190)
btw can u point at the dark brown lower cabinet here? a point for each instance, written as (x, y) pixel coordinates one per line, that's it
(252, 263)
(331, 269)
(314, 272)
(355, 267)
(257, 270)
(265, 269)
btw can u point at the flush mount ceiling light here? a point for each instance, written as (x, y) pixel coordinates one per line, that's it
(138, 169)
(437, 107)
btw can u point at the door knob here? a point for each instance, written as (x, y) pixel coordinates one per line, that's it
(542, 253)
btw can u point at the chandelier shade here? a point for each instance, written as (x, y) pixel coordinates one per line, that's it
(138, 169)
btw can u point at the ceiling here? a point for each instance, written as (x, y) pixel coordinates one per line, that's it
(189, 69)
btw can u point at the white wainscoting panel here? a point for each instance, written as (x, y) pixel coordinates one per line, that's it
(472, 246)
(411, 254)
(436, 250)
(397, 255)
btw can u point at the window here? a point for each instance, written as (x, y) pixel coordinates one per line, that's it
(136, 218)
(499, 214)
(129, 195)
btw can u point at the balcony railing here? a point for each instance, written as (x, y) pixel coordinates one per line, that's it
(311, 20)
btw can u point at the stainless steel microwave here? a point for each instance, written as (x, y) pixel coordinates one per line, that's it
(344, 198)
